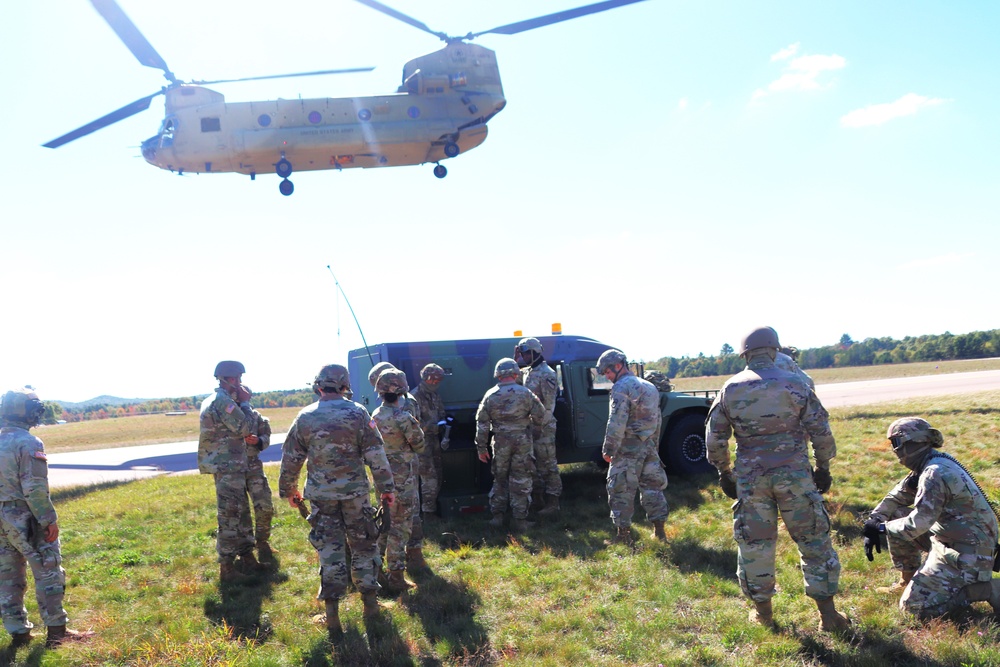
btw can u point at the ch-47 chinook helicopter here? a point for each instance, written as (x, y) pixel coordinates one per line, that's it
(440, 111)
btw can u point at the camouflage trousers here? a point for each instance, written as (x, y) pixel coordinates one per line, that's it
(235, 534)
(260, 498)
(511, 466)
(393, 544)
(643, 472)
(790, 493)
(546, 476)
(416, 540)
(22, 544)
(936, 588)
(430, 472)
(335, 524)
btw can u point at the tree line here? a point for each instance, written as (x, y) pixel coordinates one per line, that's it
(847, 352)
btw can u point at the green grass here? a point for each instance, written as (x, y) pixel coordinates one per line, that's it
(141, 571)
(858, 373)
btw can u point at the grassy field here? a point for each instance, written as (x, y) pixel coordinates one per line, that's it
(858, 373)
(142, 573)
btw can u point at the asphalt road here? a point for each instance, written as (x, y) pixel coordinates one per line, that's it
(130, 463)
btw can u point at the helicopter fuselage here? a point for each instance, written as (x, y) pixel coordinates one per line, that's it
(446, 99)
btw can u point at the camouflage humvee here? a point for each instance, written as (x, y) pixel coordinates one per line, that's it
(581, 407)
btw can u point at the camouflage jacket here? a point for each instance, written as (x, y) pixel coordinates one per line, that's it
(337, 438)
(507, 409)
(224, 424)
(773, 414)
(401, 434)
(261, 429)
(946, 503)
(542, 382)
(431, 408)
(634, 417)
(786, 363)
(24, 473)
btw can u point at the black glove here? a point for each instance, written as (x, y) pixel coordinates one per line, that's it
(874, 533)
(822, 479)
(728, 483)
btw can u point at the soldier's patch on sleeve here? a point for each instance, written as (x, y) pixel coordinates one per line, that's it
(40, 455)
(372, 425)
(230, 408)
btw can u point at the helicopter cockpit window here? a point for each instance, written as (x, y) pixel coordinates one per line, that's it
(167, 131)
(211, 125)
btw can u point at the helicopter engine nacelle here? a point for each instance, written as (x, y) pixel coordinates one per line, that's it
(191, 96)
(458, 67)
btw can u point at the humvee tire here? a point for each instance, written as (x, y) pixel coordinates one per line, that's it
(683, 448)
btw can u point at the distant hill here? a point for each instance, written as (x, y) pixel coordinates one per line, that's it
(101, 400)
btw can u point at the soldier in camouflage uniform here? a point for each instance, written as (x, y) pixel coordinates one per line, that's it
(539, 377)
(29, 530)
(772, 412)
(404, 441)
(510, 411)
(226, 419)
(631, 447)
(258, 487)
(431, 414)
(939, 511)
(336, 439)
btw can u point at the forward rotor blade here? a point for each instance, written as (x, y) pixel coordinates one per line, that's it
(286, 76)
(389, 11)
(531, 24)
(104, 121)
(130, 35)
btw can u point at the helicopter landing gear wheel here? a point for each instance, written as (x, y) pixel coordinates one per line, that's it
(440, 171)
(283, 168)
(451, 149)
(286, 187)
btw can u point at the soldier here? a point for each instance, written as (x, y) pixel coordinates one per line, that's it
(336, 438)
(29, 529)
(404, 441)
(938, 510)
(431, 409)
(539, 377)
(787, 360)
(226, 419)
(631, 448)
(771, 412)
(258, 487)
(510, 411)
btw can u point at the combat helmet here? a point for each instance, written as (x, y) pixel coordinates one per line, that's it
(431, 371)
(506, 368)
(332, 378)
(229, 369)
(391, 381)
(609, 358)
(658, 380)
(377, 370)
(911, 438)
(21, 407)
(761, 337)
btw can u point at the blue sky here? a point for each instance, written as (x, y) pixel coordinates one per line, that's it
(666, 176)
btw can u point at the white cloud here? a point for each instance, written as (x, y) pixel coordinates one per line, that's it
(802, 73)
(683, 104)
(876, 114)
(940, 260)
(786, 52)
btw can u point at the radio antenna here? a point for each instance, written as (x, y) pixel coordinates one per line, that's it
(348, 302)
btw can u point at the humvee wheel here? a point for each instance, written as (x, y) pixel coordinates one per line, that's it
(440, 171)
(286, 188)
(683, 450)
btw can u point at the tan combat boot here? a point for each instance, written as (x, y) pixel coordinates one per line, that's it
(248, 564)
(551, 506)
(831, 620)
(334, 629)
(370, 602)
(19, 639)
(397, 582)
(229, 573)
(264, 553)
(762, 613)
(658, 532)
(897, 587)
(520, 525)
(496, 521)
(415, 559)
(58, 634)
(622, 536)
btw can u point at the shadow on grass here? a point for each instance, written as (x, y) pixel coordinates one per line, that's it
(238, 605)
(380, 644)
(31, 656)
(687, 555)
(868, 648)
(74, 492)
(447, 611)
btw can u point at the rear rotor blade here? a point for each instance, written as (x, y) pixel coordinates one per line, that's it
(531, 24)
(286, 76)
(389, 11)
(130, 35)
(104, 121)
